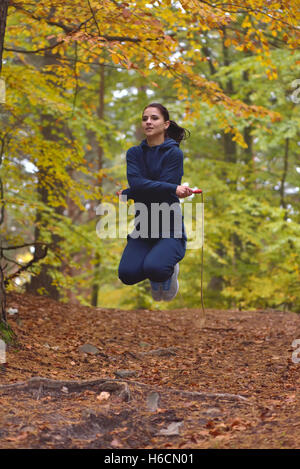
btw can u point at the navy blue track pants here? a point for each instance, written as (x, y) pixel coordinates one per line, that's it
(150, 258)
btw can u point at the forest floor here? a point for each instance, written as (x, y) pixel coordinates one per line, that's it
(153, 379)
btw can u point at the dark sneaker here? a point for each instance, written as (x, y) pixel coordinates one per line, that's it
(170, 287)
(156, 290)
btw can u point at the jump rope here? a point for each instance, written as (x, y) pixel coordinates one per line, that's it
(199, 191)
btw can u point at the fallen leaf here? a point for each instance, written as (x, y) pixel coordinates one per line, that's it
(235, 422)
(172, 429)
(21, 437)
(103, 396)
(116, 443)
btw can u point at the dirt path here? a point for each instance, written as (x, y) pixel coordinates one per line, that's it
(230, 384)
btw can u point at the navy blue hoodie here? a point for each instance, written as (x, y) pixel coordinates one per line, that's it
(153, 174)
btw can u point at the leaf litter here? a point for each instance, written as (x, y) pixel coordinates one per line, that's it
(229, 384)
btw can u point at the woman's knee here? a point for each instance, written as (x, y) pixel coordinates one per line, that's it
(126, 276)
(156, 272)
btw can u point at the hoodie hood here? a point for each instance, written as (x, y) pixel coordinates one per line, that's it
(168, 143)
(152, 159)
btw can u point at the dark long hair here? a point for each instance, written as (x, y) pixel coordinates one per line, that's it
(174, 130)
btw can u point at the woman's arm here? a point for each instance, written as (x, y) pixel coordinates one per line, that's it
(181, 192)
(129, 193)
(171, 174)
(166, 185)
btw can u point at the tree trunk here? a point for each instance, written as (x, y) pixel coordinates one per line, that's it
(96, 280)
(284, 175)
(248, 152)
(42, 283)
(216, 283)
(230, 152)
(3, 17)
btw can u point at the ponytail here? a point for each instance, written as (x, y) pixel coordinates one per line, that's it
(174, 130)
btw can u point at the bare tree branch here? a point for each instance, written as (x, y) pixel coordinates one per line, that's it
(94, 17)
(34, 260)
(9, 248)
(245, 9)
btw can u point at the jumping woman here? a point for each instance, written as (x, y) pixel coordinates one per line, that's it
(154, 172)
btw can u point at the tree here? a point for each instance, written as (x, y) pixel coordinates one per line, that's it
(159, 46)
(3, 17)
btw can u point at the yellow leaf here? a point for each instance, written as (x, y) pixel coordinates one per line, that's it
(115, 58)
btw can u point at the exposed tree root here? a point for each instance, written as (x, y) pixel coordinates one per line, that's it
(40, 385)
(49, 386)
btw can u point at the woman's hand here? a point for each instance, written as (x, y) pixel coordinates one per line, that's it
(183, 191)
(122, 197)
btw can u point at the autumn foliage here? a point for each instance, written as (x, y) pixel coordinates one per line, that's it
(78, 74)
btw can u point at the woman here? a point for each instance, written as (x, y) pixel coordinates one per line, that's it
(154, 172)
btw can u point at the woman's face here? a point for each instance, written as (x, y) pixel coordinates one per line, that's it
(153, 122)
